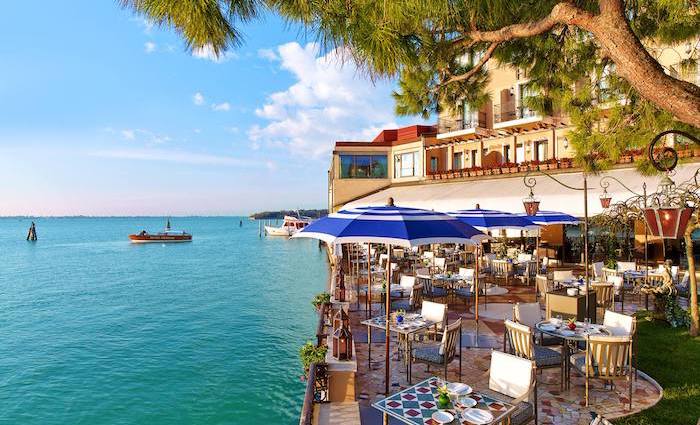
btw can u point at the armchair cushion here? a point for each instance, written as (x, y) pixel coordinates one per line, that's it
(546, 356)
(464, 292)
(524, 411)
(429, 353)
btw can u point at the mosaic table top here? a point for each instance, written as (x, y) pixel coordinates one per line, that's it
(416, 404)
(411, 323)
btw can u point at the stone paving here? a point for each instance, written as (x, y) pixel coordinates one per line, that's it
(554, 406)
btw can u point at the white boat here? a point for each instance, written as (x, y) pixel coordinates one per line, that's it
(289, 226)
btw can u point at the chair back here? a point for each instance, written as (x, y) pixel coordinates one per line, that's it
(510, 375)
(450, 337)
(604, 293)
(528, 314)
(440, 264)
(428, 255)
(562, 275)
(520, 338)
(435, 312)
(501, 267)
(407, 282)
(619, 324)
(623, 266)
(422, 272)
(543, 285)
(416, 298)
(397, 252)
(616, 281)
(608, 357)
(522, 257)
(383, 258)
(598, 270)
(466, 273)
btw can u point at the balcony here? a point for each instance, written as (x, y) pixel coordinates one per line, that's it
(518, 118)
(461, 127)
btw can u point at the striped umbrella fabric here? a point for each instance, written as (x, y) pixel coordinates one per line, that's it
(488, 220)
(405, 227)
(545, 218)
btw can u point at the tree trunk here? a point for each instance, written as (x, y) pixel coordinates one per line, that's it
(693, 284)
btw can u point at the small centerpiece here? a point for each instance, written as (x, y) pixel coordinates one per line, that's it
(443, 397)
(571, 323)
(400, 314)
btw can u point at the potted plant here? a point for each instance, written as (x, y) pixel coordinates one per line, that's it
(310, 353)
(320, 299)
(611, 263)
(400, 314)
(443, 397)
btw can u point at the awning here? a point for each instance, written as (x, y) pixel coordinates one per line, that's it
(506, 194)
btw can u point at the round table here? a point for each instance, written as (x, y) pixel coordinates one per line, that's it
(570, 338)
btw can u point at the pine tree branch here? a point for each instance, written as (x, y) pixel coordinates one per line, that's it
(467, 75)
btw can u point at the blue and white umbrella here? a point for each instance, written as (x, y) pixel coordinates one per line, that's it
(545, 218)
(405, 227)
(494, 220)
(391, 225)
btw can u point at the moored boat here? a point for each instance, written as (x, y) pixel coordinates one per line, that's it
(290, 225)
(166, 236)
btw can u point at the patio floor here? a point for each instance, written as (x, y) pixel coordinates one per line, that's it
(555, 406)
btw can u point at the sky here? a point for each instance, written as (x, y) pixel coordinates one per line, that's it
(104, 113)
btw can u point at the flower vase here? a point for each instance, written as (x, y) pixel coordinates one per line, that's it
(443, 401)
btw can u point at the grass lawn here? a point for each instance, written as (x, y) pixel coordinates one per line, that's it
(672, 358)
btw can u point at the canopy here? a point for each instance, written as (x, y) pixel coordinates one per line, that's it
(545, 218)
(506, 194)
(494, 220)
(406, 227)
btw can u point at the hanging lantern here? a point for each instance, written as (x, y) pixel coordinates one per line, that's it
(342, 343)
(531, 204)
(667, 222)
(605, 199)
(341, 319)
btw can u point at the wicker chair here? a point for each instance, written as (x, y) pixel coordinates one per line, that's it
(607, 358)
(512, 380)
(520, 339)
(443, 353)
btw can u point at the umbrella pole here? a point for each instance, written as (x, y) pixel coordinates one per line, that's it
(369, 280)
(388, 313)
(477, 256)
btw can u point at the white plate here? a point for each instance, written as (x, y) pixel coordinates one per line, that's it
(567, 332)
(459, 388)
(477, 416)
(466, 402)
(548, 327)
(443, 417)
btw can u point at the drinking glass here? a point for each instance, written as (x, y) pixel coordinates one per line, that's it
(559, 320)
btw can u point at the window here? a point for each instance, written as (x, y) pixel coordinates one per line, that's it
(433, 164)
(519, 153)
(457, 161)
(363, 166)
(473, 155)
(506, 153)
(469, 117)
(525, 93)
(405, 164)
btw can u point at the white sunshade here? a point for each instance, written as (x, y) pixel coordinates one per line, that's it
(506, 194)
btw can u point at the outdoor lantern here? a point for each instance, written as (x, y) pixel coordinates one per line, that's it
(340, 288)
(342, 343)
(605, 199)
(531, 204)
(667, 223)
(341, 319)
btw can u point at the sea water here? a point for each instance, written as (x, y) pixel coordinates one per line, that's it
(96, 330)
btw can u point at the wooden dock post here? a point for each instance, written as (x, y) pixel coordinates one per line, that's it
(31, 235)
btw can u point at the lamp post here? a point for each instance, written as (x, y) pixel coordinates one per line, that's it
(605, 199)
(532, 205)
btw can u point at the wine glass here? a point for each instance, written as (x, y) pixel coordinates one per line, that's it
(559, 321)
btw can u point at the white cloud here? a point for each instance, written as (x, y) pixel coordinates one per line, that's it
(268, 54)
(198, 99)
(129, 134)
(329, 101)
(207, 53)
(225, 106)
(149, 47)
(182, 157)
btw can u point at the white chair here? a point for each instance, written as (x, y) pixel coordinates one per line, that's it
(435, 312)
(530, 314)
(522, 257)
(619, 324)
(397, 252)
(467, 274)
(618, 283)
(406, 286)
(624, 266)
(512, 380)
(383, 258)
(428, 255)
(598, 271)
(440, 264)
(563, 275)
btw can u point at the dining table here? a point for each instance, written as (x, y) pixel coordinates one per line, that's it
(417, 404)
(411, 324)
(570, 338)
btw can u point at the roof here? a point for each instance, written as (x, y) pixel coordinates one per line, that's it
(393, 137)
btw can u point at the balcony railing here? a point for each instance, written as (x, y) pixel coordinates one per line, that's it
(510, 115)
(446, 125)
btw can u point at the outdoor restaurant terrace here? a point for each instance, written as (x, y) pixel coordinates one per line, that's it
(487, 325)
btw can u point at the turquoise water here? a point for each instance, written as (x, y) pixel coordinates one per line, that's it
(95, 330)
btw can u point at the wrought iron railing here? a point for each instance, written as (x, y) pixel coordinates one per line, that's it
(446, 125)
(500, 115)
(317, 380)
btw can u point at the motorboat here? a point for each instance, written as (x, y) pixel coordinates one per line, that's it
(166, 236)
(290, 225)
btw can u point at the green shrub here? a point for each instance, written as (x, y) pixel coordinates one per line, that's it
(322, 298)
(309, 353)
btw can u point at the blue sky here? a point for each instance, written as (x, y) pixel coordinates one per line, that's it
(103, 114)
